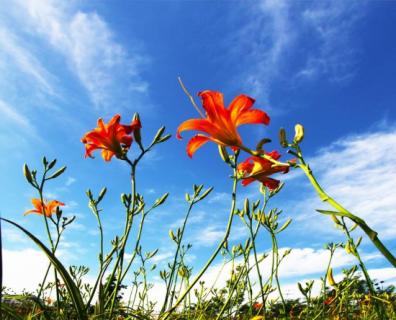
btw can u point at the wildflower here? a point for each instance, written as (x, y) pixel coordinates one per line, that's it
(257, 306)
(257, 168)
(113, 138)
(257, 318)
(221, 123)
(47, 208)
(328, 300)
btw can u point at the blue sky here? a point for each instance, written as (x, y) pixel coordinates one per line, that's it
(327, 65)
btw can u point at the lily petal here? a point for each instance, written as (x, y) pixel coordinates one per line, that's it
(195, 143)
(253, 116)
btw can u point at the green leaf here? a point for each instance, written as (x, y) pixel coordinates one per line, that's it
(71, 287)
(328, 212)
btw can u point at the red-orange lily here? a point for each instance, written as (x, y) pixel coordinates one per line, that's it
(113, 138)
(47, 208)
(221, 123)
(258, 168)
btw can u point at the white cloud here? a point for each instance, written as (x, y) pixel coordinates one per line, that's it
(20, 129)
(12, 115)
(23, 269)
(70, 181)
(12, 50)
(104, 67)
(359, 172)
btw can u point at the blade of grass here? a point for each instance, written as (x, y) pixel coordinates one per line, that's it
(71, 287)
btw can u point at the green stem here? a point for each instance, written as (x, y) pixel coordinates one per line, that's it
(169, 285)
(275, 249)
(345, 213)
(256, 260)
(214, 255)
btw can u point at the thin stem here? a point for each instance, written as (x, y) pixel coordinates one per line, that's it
(190, 97)
(275, 249)
(169, 285)
(216, 252)
(256, 260)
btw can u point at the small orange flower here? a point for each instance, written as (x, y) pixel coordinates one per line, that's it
(221, 123)
(48, 208)
(257, 305)
(328, 300)
(257, 168)
(113, 138)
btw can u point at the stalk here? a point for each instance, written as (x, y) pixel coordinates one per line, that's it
(216, 252)
(373, 235)
(169, 285)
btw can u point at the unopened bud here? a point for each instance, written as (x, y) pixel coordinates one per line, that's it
(172, 236)
(330, 278)
(137, 132)
(27, 174)
(224, 154)
(282, 138)
(299, 133)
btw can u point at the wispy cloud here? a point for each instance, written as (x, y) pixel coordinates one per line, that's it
(105, 68)
(273, 42)
(13, 51)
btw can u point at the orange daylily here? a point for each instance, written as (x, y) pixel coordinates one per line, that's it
(48, 208)
(221, 123)
(258, 168)
(113, 138)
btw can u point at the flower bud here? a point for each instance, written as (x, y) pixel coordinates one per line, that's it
(282, 138)
(224, 154)
(137, 133)
(299, 133)
(172, 236)
(330, 278)
(27, 174)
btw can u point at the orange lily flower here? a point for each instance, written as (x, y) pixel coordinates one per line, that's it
(113, 138)
(48, 208)
(221, 123)
(257, 168)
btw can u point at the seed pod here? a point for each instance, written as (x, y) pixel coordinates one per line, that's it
(299, 133)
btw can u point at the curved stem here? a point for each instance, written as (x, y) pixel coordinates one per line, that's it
(345, 213)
